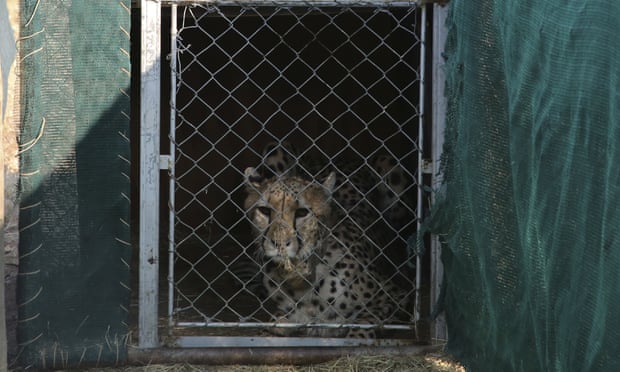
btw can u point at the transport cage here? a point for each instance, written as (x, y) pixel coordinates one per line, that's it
(335, 86)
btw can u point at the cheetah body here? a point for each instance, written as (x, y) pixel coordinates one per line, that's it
(318, 268)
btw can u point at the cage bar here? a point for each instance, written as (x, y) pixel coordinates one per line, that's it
(420, 191)
(150, 75)
(171, 168)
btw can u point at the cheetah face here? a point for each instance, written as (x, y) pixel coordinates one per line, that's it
(289, 216)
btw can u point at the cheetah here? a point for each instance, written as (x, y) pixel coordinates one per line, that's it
(378, 196)
(384, 185)
(393, 201)
(279, 158)
(318, 267)
(355, 190)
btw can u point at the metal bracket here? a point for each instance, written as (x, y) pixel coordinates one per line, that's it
(427, 166)
(164, 162)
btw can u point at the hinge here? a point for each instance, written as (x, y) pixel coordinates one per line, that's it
(427, 166)
(164, 162)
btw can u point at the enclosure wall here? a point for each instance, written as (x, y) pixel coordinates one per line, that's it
(74, 248)
(530, 218)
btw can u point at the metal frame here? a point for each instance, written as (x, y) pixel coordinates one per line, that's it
(150, 75)
(420, 180)
(151, 163)
(171, 168)
(292, 3)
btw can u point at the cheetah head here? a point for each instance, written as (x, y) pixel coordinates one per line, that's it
(290, 217)
(279, 159)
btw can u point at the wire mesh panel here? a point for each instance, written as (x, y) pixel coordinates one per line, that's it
(323, 97)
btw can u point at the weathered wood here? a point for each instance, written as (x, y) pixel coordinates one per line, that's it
(3, 340)
(9, 162)
(439, 331)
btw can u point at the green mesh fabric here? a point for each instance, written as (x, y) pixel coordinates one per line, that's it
(531, 215)
(74, 213)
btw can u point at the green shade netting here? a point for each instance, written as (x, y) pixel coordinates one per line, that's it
(74, 221)
(531, 218)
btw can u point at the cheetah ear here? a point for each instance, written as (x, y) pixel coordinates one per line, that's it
(252, 177)
(330, 182)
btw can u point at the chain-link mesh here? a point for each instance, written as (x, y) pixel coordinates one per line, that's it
(334, 88)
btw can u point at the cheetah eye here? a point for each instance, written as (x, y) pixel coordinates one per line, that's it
(264, 211)
(301, 212)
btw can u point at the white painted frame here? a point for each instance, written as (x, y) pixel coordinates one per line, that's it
(150, 76)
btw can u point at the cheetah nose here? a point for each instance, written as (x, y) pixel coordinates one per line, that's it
(287, 248)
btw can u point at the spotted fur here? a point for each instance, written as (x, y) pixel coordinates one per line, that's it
(279, 158)
(393, 191)
(318, 267)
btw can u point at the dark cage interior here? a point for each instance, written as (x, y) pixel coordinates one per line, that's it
(336, 89)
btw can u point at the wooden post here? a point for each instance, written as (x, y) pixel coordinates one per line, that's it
(9, 163)
(3, 341)
(439, 331)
